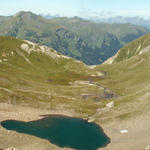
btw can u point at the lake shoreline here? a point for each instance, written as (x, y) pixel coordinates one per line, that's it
(62, 131)
(112, 129)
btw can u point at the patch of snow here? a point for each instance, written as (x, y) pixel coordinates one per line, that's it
(110, 105)
(25, 47)
(90, 120)
(124, 131)
(12, 53)
(146, 49)
(138, 48)
(5, 59)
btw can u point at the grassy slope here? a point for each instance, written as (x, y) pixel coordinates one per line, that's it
(48, 83)
(43, 81)
(129, 79)
(133, 48)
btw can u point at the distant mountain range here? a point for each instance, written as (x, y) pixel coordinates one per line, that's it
(140, 21)
(85, 40)
(122, 20)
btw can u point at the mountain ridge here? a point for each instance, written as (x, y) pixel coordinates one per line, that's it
(81, 39)
(35, 76)
(137, 47)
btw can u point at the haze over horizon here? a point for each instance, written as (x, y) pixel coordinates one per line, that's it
(81, 8)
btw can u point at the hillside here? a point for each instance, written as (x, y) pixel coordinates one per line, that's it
(36, 80)
(35, 77)
(93, 43)
(128, 76)
(124, 32)
(128, 71)
(31, 73)
(137, 47)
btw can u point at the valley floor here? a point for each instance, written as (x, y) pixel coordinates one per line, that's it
(138, 135)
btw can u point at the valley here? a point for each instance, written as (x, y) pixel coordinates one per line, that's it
(84, 40)
(36, 80)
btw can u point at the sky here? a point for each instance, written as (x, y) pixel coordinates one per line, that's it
(82, 8)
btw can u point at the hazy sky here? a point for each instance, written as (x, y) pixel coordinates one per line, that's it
(78, 7)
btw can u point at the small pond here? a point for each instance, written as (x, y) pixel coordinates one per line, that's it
(62, 131)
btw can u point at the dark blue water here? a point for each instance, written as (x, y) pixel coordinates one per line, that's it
(63, 131)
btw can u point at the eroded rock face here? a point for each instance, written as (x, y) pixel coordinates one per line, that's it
(30, 46)
(25, 47)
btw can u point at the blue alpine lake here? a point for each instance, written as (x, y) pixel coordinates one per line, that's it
(62, 131)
